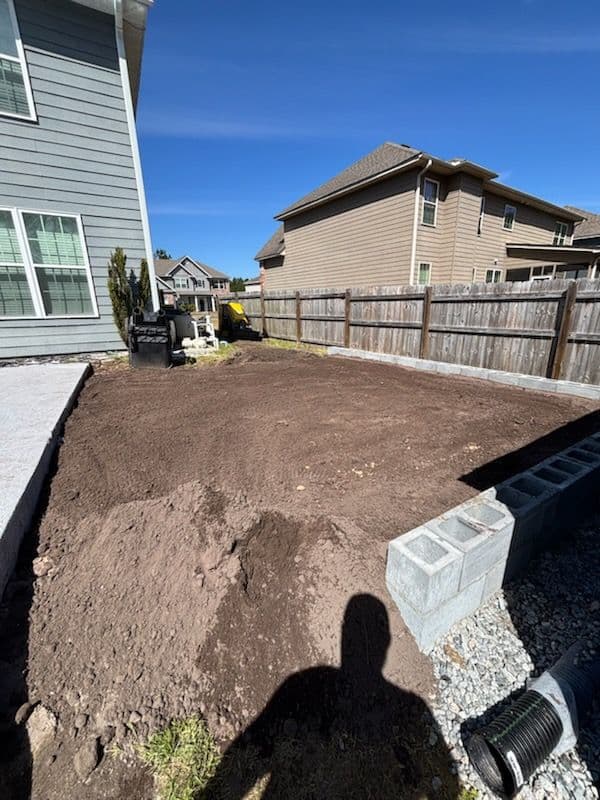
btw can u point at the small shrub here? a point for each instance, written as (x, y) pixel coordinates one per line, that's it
(183, 758)
(119, 290)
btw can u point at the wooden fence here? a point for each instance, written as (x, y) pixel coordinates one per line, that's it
(550, 329)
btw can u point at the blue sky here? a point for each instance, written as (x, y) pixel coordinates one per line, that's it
(246, 106)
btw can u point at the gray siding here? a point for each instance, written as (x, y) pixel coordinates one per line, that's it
(76, 159)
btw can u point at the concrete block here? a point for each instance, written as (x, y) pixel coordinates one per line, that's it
(494, 580)
(590, 446)
(583, 455)
(532, 502)
(424, 568)
(481, 531)
(427, 628)
(578, 389)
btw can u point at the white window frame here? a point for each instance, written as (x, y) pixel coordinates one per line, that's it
(20, 60)
(514, 217)
(435, 205)
(180, 278)
(494, 271)
(481, 216)
(561, 229)
(424, 264)
(30, 267)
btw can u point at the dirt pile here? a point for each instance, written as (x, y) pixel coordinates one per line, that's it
(194, 602)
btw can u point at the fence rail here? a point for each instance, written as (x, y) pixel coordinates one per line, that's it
(552, 331)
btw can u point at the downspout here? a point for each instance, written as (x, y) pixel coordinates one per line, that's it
(413, 248)
(594, 267)
(135, 151)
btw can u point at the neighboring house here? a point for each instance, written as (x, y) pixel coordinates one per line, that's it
(190, 281)
(70, 178)
(272, 253)
(253, 284)
(399, 215)
(587, 232)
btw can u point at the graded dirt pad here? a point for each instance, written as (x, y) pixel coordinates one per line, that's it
(204, 533)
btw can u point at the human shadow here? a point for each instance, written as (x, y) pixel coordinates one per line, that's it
(344, 732)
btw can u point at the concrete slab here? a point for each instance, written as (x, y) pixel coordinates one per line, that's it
(36, 399)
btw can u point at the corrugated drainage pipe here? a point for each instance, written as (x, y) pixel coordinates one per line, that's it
(545, 719)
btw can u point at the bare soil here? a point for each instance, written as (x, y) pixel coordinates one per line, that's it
(202, 536)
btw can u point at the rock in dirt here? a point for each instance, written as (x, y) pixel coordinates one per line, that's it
(42, 565)
(87, 758)
(41, 727)
(81, 720)
(23, 712)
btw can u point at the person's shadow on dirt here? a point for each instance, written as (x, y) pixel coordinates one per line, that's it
(330, 733)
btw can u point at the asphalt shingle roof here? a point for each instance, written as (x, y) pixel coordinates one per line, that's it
(384, 157)
(162, 267)
(588, 227)
(274, 247)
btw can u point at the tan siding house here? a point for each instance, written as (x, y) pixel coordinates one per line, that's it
(401, 216)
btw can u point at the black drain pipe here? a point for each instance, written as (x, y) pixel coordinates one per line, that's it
(544, 719)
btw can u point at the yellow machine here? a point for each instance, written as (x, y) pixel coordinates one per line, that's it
(233, 322)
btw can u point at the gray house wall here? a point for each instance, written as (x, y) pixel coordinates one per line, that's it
(76, 159)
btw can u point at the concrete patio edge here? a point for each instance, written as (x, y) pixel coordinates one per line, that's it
(534, 382)
(28, 453)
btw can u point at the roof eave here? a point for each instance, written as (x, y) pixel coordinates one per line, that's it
(438, 165)
(531, 200)
(353, 187)
(559, 253)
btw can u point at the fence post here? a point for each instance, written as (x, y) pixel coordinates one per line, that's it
(262, 311)
(298, 319)
(424, 343)
(347, 297)
(563, 326)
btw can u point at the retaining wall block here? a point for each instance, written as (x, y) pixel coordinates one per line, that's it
(495, 579)
(427, 628)
(533, 503)
(481, 529)
(571, 479)
(424, 568)
(584, 453)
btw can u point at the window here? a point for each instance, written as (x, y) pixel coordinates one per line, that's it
(481, 215)
(544, 273)
(182, 283)
(44, 270)
(15, 296)
(510, 215)
(493, 275)
(16, 99)
(425, 273)
(218, 283)
(560, 233)
(431, 190)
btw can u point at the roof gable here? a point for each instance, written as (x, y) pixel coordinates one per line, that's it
(589, 226)
(273, 247)
(167, 266)
(385, 157)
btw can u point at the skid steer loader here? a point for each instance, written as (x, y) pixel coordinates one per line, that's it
(234, 323)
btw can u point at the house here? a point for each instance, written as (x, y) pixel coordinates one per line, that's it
(587, 232)
(71, 186)
(272, 253)
(402, 216)
(190, 282)
(253, 284)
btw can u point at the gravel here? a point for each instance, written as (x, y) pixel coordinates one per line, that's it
(514, 636)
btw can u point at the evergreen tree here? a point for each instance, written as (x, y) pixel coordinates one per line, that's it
(144, 290)
(237, 285)
(120, 291)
